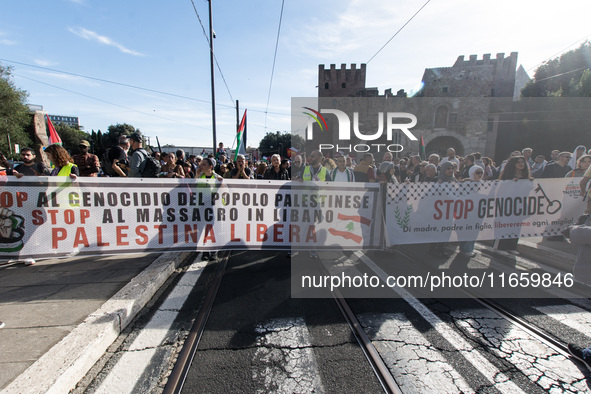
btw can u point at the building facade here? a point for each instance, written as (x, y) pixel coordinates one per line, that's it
(457, 106)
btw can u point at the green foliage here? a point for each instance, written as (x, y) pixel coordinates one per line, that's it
(566, 76)
(71, 137)
(279, 142)
(111, 137)
(14, 114)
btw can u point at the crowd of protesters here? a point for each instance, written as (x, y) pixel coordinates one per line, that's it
(128, 158)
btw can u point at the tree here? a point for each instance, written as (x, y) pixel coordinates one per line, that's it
(71, 136)
(566, 76)
(111, 137)
(279, 142)
(14, 113)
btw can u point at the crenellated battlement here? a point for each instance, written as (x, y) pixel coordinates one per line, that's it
(340, 82)
(500, 60)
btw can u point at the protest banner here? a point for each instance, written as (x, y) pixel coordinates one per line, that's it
(53, 216)
(466, 211)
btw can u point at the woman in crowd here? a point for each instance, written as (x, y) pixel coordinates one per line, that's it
(329, 164)
(577, 153)
(447, 172)
(171, 168)
(489, 169)
(582, 165)
(62, 162)
(515, 169)
(403, 166)
(188, 170)
(387, 172)
(260, 173)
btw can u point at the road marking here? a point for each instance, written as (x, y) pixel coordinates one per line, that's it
(542, 364)
(569, 315)
(284, 361)
(499, 380)
(416, 365)
(128, 370)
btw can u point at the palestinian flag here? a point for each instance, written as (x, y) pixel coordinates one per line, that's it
(241, 137)
(54, 138)
(422, 148)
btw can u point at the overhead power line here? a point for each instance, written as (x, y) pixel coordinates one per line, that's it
(274, 59)
(128, 86)
(559, 52)
(216, 60)
(399, 30)
(105, 101)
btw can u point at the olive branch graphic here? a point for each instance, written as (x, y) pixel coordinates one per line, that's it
(402, 222)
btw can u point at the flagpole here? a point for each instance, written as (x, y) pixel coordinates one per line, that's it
(212, 79)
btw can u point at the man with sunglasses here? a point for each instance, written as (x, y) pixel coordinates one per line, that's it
(296, 167)
(88, 164)
(559, 168)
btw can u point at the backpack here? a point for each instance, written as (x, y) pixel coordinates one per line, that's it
(151, 167)
(105, 163)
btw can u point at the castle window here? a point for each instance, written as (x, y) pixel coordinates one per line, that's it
(326, 85)
(440, 121)
(343, 85)
(444, 89)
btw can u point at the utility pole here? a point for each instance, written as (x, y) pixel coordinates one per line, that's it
(237, 115)
(212, 79)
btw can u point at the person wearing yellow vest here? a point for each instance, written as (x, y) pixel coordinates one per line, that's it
(315, 171)
(206, 167)
(206, 170)
(63, 163)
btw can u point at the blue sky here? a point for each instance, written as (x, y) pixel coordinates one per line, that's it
(159, 46)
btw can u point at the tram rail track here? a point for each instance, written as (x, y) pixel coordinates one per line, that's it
(532, 329)
(186, 356)
(380, 366)
(372, 355)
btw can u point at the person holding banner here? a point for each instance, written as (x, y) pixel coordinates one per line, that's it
(206, 170)
(446, 174)
(559, 168)
(343, 174)
(276, 172)
(365, 170)
(29, 166)
(515, 169)
(475, 174)
(582, 165)
(63, 163)
(118, 165)
(87, 163)
(297, 167)
(206, 167)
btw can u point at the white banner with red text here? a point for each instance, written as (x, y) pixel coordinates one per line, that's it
(467, 211)
(53, 216)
